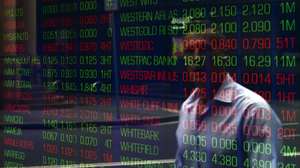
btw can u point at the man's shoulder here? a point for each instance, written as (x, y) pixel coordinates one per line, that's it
(249, 98)
(254, 105)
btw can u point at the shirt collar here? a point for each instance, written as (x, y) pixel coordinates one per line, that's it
(227, 92)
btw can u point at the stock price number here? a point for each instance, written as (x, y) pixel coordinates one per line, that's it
(192, 155)
(261, 61)
(94, 87)
(197, 61)
(225, 160)
(257, 163)
(224, 61)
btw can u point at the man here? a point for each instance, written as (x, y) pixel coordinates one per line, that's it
(232, 127)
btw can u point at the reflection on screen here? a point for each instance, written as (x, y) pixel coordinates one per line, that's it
(101, 82)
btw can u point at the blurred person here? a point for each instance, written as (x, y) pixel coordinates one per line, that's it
(231, 126)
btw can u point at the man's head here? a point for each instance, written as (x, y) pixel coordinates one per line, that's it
(193, 46)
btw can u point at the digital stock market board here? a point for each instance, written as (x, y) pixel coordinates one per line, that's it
(109, 83)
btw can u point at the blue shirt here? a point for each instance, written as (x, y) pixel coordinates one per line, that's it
(237, 128)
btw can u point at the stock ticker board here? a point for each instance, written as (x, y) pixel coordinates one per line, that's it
(101, 81)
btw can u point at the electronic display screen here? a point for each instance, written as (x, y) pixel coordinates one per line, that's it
(149, 83)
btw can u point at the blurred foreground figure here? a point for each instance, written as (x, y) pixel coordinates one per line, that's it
(232, 127)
